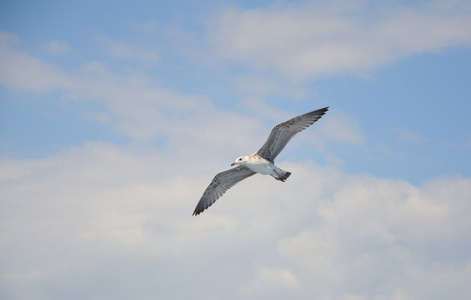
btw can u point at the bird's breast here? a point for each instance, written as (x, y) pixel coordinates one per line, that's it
(261, 166)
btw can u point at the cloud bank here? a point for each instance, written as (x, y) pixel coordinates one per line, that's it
(70, 221)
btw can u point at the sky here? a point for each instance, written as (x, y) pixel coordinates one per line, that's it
(116, 115)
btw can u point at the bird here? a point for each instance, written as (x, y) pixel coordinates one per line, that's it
(262, 161)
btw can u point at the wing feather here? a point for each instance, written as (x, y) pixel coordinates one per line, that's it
(282, 133)
(220, 184)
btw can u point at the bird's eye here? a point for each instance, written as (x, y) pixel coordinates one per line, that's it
(240, 159)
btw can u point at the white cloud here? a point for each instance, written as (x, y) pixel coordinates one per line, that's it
(314, 39)
(100, 219)
(374, 232)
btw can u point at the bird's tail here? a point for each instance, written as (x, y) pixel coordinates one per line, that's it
(282, 175)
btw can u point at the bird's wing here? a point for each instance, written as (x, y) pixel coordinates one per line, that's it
(282, 133)
(220, 184)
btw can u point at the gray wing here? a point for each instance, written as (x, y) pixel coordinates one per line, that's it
(282, 133)
(220, 184)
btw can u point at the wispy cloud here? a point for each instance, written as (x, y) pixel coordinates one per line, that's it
(23, 71)
(341, 128)
(404, 134)
(135, 106)
(305, 41)
(57, 47)
(126, 51)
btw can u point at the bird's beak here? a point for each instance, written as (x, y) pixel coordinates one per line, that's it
(233, 164)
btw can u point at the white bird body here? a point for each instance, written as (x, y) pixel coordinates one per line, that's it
(260, 165)
(262, 162)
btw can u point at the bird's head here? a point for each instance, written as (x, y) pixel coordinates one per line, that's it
(240, 161)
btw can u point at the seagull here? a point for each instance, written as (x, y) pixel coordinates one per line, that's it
(263, 161)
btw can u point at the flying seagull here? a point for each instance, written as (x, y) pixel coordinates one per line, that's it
(263, 161)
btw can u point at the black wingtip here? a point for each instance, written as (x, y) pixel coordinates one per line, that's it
(318, 112)
(324, 109)
(199, 209)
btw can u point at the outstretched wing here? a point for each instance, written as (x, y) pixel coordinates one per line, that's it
(282, 133)
(220, 184)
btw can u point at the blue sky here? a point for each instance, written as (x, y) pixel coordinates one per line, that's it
(115, 115)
